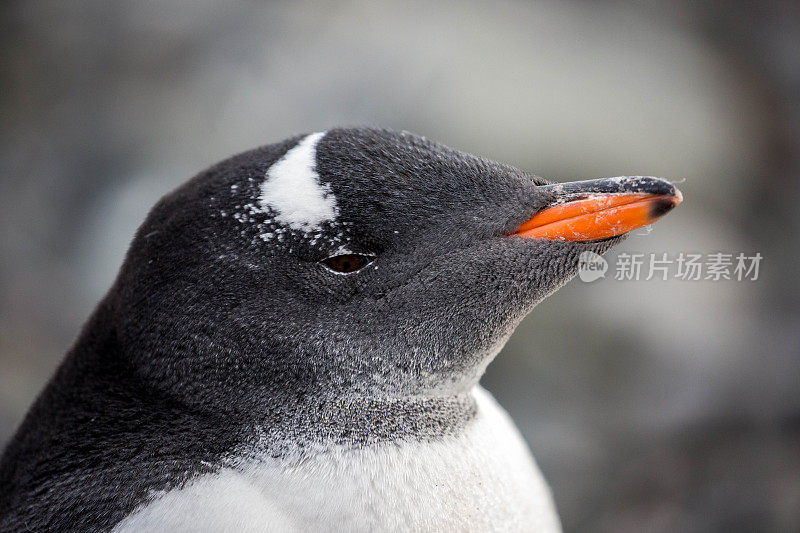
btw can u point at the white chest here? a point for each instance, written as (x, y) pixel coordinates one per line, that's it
(481, 480)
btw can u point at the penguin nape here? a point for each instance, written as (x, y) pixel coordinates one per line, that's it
(295, 339)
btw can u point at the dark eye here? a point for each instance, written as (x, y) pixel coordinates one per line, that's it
(347, 263)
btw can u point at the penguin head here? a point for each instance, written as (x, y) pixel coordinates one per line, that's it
(353, 262)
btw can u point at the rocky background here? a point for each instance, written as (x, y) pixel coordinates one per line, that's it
(650, 405)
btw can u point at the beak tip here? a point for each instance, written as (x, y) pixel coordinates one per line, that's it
(663, 205)
(660, 207)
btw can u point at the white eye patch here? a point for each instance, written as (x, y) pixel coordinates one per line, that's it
(293, 192)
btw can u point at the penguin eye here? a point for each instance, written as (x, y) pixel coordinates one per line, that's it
(347, 263)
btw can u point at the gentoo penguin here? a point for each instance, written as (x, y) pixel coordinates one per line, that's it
(294, 343)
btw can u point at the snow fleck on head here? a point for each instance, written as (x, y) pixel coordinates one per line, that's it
(293, 192)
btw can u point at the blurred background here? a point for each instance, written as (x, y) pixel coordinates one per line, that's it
(650, 405)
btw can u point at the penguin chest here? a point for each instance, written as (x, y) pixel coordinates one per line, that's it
(483, 479)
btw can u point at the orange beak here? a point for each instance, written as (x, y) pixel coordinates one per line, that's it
(603, 208)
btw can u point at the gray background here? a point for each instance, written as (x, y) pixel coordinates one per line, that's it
(650, 405)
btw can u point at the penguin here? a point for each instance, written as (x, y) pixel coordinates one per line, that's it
(295, 339)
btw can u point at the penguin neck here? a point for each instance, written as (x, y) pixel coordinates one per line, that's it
(282, 418)
(357, 421)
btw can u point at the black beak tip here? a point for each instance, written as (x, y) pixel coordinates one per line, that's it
(661, 207)
(650, 185)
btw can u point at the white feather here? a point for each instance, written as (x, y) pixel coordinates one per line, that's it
(483, 479)
(292, 189)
